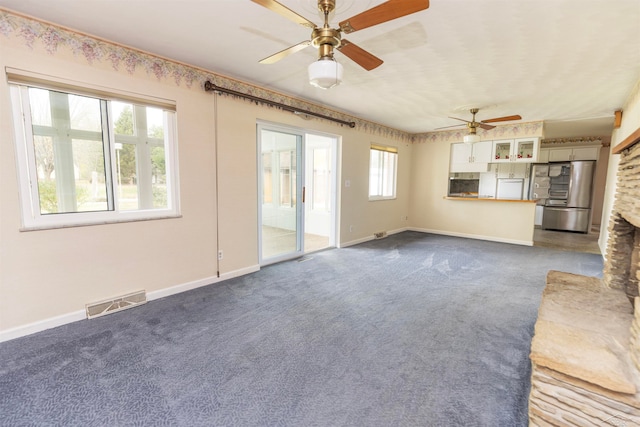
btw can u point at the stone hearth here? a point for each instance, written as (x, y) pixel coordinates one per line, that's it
(585, 352)
(583, 374)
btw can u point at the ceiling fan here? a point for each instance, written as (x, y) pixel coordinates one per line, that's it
(473, 125)
(326, 72)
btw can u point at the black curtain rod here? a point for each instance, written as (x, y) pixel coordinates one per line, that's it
(210, 87)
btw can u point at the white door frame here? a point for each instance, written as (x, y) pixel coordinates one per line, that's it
(300, 174)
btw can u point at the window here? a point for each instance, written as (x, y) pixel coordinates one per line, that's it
(382, 172)
(87, 160)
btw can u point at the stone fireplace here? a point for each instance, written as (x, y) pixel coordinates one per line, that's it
(585, 352)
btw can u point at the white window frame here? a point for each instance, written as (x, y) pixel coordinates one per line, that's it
(388, 171)
(32, 219)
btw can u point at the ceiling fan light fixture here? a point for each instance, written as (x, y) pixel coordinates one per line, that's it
(471, 138)
(325, 73)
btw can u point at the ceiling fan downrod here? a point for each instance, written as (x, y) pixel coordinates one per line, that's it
(326, 39)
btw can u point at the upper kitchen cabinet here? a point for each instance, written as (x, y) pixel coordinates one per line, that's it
(575, 153)
(471, 157)
(523, 150)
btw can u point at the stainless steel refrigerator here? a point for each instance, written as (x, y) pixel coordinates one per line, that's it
(540, 183)
(568, 206)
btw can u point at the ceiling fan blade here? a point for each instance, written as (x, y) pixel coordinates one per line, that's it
(359, 55)
(462, 120)
(502, 119)
(485, 127)
(284, 53)
(384, 12)
(282, 10)
(447, 127)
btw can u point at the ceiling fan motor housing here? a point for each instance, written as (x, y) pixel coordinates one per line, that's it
(326, 6)
(325, 39)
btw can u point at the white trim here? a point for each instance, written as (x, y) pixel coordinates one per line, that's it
(184, 287)
(372, 237)
(240, 272)
(355, 242)
(31, 217)
(45, 81)
(473, 236)
(41, 325)
(398, 230)
(75, 316)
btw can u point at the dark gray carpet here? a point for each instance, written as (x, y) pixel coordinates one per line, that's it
(412, 330)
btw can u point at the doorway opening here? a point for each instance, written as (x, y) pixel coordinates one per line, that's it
(298, 186)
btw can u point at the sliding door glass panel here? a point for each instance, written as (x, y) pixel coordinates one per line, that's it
(280, 194)
(318, 217)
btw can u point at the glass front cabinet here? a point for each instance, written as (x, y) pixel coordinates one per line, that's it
(523, 150)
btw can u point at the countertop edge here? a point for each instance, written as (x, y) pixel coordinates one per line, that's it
(478, 199)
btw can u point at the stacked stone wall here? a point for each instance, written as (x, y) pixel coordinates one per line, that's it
(586, 348)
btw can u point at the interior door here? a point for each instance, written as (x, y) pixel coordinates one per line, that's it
(281, 194)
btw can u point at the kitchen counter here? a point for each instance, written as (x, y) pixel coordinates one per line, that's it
(487, 199)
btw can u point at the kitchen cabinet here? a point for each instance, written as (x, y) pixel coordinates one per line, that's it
(471, 157)
(543, 156)
(512, 170)
(519, 150)
(575, 153)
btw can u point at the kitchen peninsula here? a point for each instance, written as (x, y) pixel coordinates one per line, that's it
(487, 199)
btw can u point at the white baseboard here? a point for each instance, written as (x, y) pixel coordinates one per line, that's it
(398, 230)
(42, 325)
(474, 236)
(369, 238)
(161, 293)
(356, 242)
(240, 272)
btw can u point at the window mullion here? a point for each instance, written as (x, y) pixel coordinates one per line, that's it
(145, 192)
(381, 163)
(63, 153)
(108, 146)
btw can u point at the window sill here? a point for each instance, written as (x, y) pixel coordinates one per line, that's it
(38, 227)
(375, 199)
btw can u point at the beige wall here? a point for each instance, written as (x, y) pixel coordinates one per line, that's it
(630, 123)
(49, 273)
(511, 222)
(47, 276)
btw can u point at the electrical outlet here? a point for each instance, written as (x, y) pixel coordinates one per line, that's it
(220, 254)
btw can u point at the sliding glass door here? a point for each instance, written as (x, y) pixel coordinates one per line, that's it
(281, 194)
(298, 187)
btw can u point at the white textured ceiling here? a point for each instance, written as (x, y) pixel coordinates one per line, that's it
(570, 62)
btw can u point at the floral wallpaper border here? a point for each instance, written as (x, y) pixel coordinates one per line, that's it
(517, 130)
(573, 141)
(32, 31)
